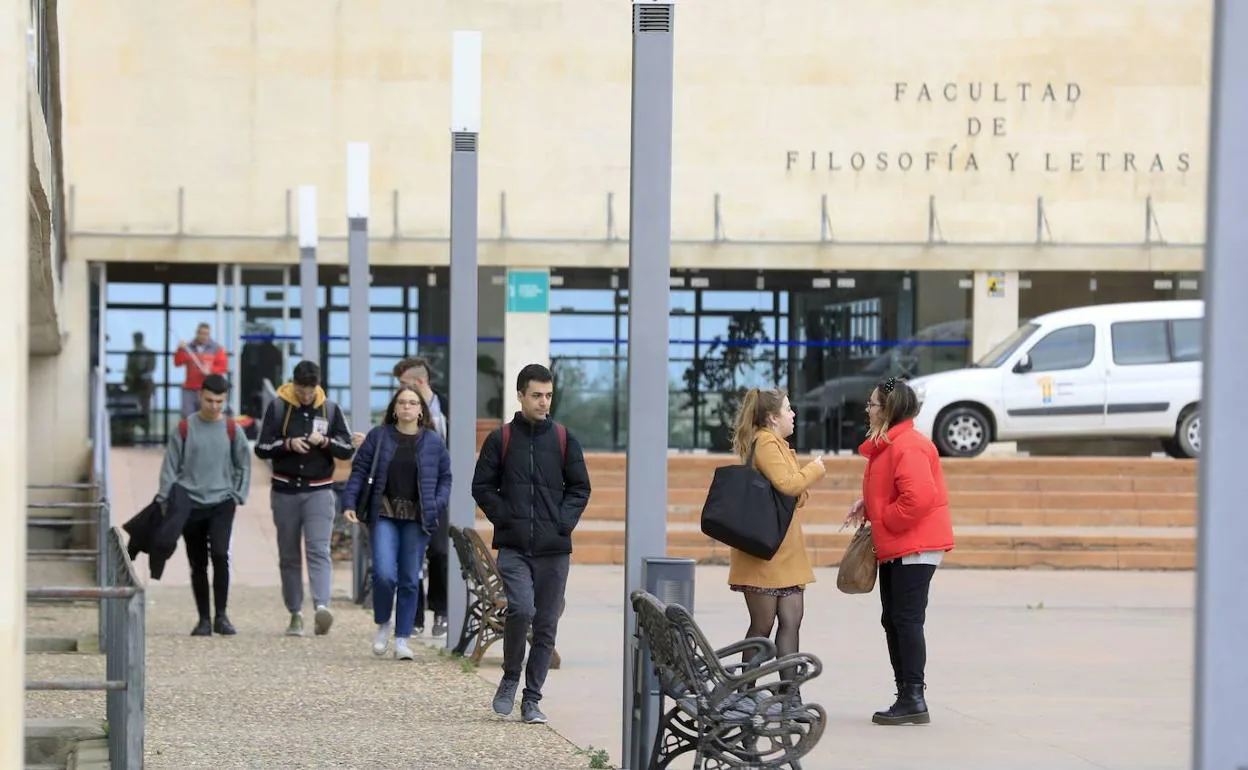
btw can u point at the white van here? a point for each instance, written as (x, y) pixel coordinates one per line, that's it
(1104, 371)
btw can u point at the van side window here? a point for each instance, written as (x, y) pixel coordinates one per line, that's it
(1186, 336)
(1071, 348)
(1138, 343)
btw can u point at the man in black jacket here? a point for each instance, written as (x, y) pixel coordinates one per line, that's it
(302, 433)
(533, 485)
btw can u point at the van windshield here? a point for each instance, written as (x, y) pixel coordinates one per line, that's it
(1006, 347)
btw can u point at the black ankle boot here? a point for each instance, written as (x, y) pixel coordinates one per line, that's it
(202, 628)
(223, 626)
(909, 708)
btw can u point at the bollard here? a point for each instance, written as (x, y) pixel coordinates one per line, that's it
(672, 581)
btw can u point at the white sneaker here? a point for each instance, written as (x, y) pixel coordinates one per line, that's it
(323, 620)
(381, 642)
(401, 650)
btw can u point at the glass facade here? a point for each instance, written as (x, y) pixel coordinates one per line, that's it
(825, 337)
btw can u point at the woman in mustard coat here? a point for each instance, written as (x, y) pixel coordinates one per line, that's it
(774, 587)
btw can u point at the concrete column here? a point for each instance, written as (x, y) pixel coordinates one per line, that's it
(994, 309)
(1219, 738)
(649, 303)
(462, 429)
(309, 306)
(526, 325)
(14, 351)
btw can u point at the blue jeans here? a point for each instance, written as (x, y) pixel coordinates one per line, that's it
(398, 552)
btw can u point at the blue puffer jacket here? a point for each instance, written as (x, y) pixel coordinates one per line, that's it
(435, 474)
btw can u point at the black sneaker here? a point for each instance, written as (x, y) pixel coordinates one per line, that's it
(439, 626)
(505, 696)
(202, 628)
(531, 714)
(223, 626)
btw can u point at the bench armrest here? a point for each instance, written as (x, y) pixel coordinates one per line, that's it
(764, 650)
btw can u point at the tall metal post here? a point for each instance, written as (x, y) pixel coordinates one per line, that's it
(649, 272)
(358, 279)
(462, 430)
(1221, 743)
(309, 307)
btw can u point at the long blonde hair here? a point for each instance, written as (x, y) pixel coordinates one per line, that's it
(756, 408)
(898, 403)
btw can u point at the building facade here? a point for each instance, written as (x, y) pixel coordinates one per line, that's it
(858, 190)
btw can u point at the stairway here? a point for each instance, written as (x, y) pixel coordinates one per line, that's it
(1061, 513)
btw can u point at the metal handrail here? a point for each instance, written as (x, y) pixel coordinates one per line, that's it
(122, 600)
(123, 611)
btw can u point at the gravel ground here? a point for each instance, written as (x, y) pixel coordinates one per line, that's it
(263, 700)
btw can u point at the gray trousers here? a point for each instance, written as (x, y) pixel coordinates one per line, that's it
(304, 522)
(535, 588)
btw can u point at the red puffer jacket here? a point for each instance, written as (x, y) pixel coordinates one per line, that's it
(906, 498)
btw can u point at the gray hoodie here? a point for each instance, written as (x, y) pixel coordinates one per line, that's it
(207, 466)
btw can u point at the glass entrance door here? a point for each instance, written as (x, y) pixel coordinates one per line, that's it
(264, 339)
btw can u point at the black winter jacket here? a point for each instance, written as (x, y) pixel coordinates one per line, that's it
(533, 497)
(286, 419)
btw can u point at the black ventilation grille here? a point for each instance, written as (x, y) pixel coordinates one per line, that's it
(652, 18)
(463, 141)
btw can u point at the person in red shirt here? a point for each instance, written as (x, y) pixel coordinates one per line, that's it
(201, 357)
(905, 499)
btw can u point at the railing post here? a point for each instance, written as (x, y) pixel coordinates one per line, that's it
(114, 704)
(136, 684)
(102, 563)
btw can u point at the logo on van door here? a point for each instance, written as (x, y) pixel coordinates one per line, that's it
(1046, 389)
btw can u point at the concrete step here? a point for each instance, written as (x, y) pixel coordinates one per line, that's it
(90, 754)
(1103, 467)
(834, 514)
(52, 741)
(840, 499)
(700, 479)
(985, 546)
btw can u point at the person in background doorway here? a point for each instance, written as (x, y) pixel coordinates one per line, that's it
(303, 433)
(140, 379)
(905, 498)
(209, 461)
(414, 373)
(412, 484)
(202, 356)
(532, 483)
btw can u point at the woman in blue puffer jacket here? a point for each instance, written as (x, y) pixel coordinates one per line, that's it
(411, 484)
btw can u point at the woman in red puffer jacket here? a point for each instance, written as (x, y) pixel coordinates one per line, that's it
(905, 499)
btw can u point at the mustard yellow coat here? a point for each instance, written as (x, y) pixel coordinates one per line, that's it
(775, 459)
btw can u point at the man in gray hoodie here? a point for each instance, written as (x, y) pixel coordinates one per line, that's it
(209, 458)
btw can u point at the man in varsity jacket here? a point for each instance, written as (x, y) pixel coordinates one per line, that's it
(302, 433)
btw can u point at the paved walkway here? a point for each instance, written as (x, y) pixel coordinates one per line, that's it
(1028, 670)
(263, 700)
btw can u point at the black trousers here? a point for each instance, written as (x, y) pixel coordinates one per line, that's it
(434, 599)
(903, 598)
(207, 535)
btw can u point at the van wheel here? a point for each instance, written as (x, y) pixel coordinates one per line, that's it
(1188, 435)
(962, 432)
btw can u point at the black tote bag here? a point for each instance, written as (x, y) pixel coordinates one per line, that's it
(744, 511)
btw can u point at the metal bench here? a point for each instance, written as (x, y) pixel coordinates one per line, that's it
(486, 598)
(725, 711)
